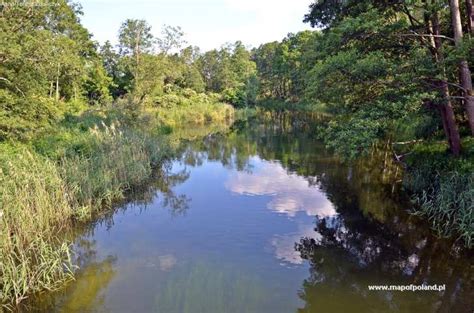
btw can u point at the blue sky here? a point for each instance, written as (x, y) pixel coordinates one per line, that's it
(206, 23)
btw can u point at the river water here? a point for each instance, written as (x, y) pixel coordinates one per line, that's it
(264, 219)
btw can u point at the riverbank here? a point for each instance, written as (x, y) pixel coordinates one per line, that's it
(440, 185)
(442, 188)
(73, 171)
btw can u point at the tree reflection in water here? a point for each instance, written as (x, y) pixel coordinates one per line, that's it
(373, 240)
(84, 294)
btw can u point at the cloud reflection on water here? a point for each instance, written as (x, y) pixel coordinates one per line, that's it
(290, 193)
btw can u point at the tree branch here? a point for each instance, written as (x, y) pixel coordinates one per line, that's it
(8, 81)
(427, 35)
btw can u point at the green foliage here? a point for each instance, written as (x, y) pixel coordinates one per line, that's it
(190, 107)
(283, 66)
(135, 37)
(47, 62)
(376, 74)
(230, 71)
(21, 117)
(115, 161)
(77, 170)
(447, 200)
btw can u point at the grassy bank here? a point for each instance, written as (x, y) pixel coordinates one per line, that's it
(443, 188)
(72, 172)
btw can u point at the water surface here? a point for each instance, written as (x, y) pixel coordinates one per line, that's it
(264, 219)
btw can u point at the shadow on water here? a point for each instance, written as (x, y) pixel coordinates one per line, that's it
(369, 238)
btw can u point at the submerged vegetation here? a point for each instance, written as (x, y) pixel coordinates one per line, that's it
(82, 123)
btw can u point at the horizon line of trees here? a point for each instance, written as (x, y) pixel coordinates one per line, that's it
(50, 67)
(396, 68)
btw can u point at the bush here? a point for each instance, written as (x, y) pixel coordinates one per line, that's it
(22, 117)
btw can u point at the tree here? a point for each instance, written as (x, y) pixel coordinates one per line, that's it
(116, 68)
(135, 38)
(382, 62)
(48, 65)
(470, 16)
(229, 71)
(171, 39)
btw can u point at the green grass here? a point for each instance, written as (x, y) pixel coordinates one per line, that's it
(443, 188)
(189, 107)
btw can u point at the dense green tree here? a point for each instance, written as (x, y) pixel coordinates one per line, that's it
(135, 38)
(380, 68)
(48, 65)
(230, 71)
(192, 77)
(283, 66)
(116, 68)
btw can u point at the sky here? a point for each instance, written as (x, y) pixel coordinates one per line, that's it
(206, 23)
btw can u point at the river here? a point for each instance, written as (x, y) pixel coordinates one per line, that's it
(264, 219)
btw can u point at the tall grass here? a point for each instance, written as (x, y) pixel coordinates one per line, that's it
(443, 188)
(447, 201)
(39, 197)
(34, 206)
(194, 113)
(117, 161)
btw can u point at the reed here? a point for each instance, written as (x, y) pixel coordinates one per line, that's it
(447, 201)
(443, 189)
(34, 206)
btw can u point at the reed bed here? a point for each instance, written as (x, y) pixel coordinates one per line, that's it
(71, 175)
(34, 206)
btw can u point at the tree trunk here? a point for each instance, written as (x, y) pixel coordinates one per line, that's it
(464, 72)
(447, 114)
(57, 84)
(470, 16)
(137, 58)
(446, 109)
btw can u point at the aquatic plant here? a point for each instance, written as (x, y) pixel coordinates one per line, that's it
(34, 205)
